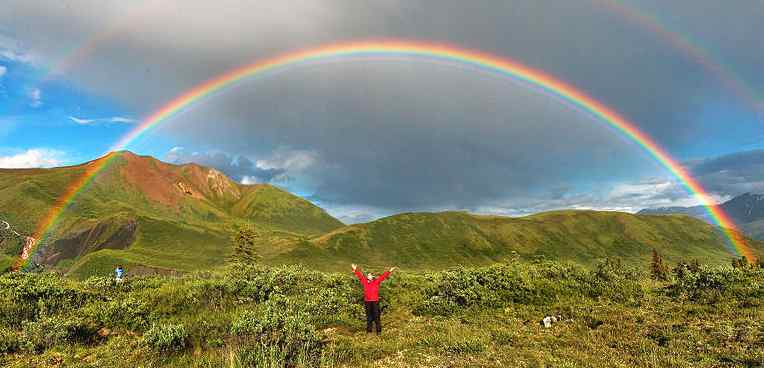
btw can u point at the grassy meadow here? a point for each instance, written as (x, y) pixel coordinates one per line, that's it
(244, 315)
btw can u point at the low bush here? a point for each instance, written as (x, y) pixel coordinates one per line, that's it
(280, 335)
(26, 296)
(128, 311)
(9, 341)
(710, 284)
(541, 283)
(49, 331)
(166, 337)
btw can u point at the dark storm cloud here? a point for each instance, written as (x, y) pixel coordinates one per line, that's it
(414, 149)
(410, 135)
(732, 174)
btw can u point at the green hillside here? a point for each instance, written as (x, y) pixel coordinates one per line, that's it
(156, 217)
(148, 214)
(437, 240)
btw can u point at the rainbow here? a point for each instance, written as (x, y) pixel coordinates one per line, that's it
(398, 49)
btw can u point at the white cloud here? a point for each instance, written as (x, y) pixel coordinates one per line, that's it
(288, 160)
(122, 119)
(3, 70)
(249, 180)
(623, 197)
(32, 158)
(113, 119)
(81, 121)
(35, 97)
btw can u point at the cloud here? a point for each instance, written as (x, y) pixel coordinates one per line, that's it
(32, 158)
(35, 97)
(249, 180)
(11, 50)
(239, 168)
(81, 121)
(731, 174)
(3, 70)
(294, 160)
(114, 119)
(122, 119)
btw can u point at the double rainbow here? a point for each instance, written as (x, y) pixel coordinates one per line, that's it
(398, 49)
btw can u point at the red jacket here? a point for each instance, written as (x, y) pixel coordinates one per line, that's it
(371, 288)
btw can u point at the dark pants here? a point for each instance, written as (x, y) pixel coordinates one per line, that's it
(373, 314)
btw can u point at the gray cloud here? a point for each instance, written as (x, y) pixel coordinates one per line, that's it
(391, 136)
(732, 174)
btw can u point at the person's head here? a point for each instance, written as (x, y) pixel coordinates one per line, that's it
(119, 266)
(370, 276)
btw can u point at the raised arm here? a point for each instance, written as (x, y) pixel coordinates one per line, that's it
(358, 273)
(386, 274)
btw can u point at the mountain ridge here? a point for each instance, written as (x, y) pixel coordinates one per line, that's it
(746, 210)
(162, 217)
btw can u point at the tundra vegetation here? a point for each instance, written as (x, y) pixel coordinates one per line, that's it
(252, 315)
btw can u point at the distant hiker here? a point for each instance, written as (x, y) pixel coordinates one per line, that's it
(371, 296)
(119, 273)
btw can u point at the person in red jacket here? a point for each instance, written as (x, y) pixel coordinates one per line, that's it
(371, 296)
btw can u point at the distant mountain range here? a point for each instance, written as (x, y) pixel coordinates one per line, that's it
(747, 210)
(157, 217)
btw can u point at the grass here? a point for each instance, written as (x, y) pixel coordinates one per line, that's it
(241, 316)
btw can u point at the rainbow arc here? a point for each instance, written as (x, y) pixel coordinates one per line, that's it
(405, 50)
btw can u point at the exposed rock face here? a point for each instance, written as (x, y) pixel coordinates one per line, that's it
(108, 234)
(220, 185)
(185, 188)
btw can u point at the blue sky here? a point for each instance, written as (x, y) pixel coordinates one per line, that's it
(366, 139)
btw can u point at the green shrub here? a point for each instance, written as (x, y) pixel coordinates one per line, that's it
(9, 341)
(100, 283)
(166, 337)
(128, 311)
(712, 283)
(26, 296)
(280, 335)
(49, 331)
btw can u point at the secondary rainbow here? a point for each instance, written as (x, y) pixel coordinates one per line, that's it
(685, 44)
(397, 49)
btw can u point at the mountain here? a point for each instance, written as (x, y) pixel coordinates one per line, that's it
(156, 217)
(139, 210)
(747, 210)
(436, 240)
(694, 211)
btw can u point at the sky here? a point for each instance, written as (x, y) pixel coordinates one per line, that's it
(370, 138)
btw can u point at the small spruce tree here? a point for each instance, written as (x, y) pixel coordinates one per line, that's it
(741, 262)
(659, 270)
(244, 245)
